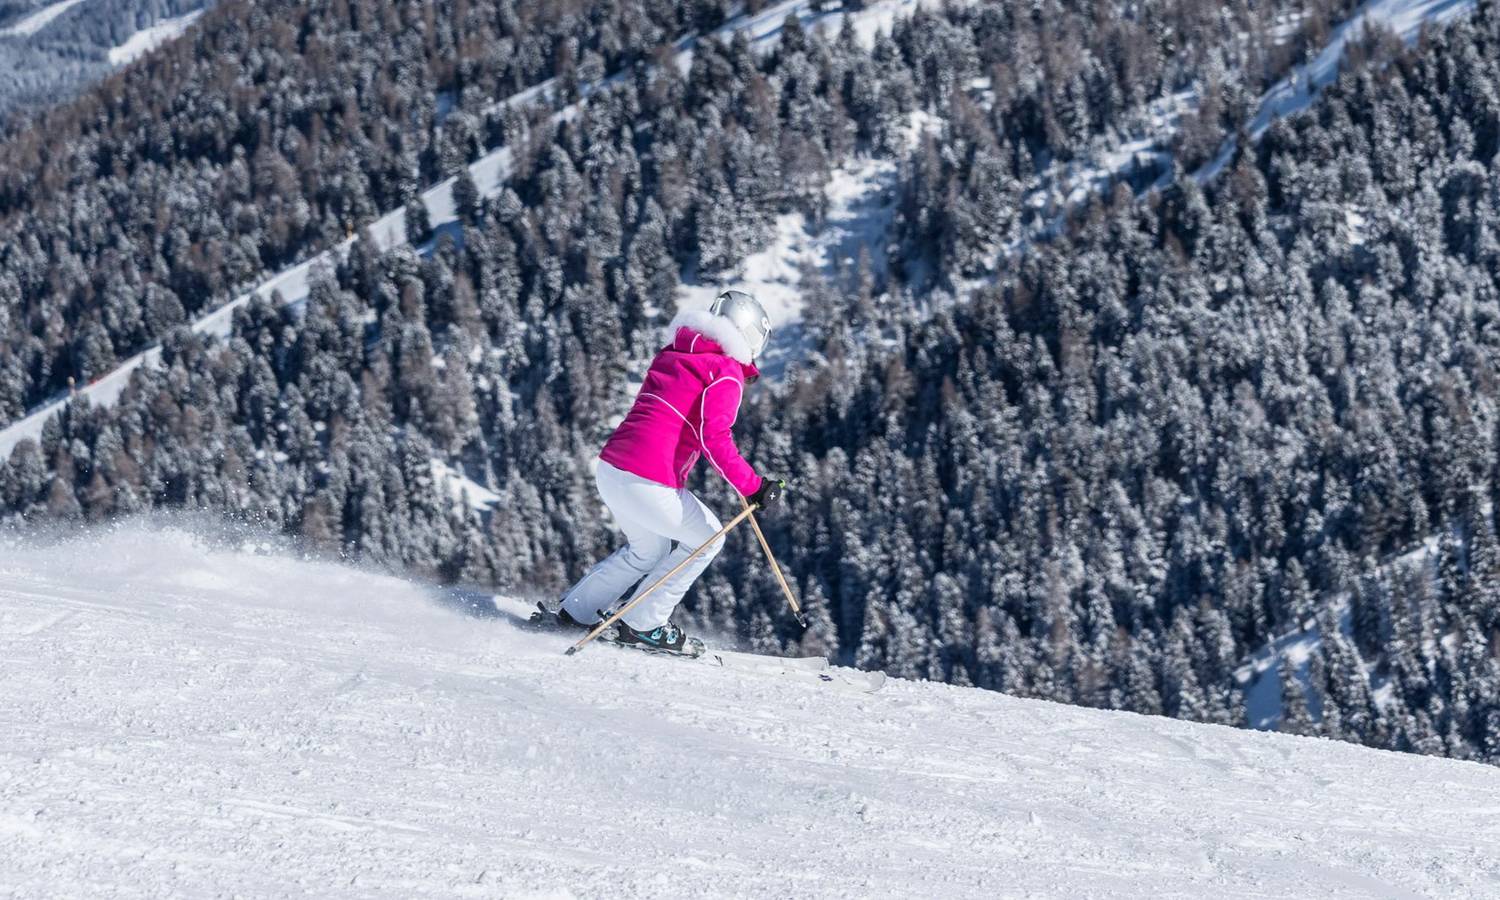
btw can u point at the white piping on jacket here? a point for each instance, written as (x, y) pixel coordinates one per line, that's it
(702, 424)
(696, 433)
(681, 473)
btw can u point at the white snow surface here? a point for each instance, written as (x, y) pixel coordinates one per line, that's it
(861, 201)
(463, 489)
(148, 39)
(187, 719)
(38, 20)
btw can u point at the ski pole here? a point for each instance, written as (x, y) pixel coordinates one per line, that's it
(599, 629)
(775, 567)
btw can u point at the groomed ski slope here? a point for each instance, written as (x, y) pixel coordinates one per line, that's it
(177, 719)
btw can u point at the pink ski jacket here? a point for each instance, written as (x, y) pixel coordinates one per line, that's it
(687, 406)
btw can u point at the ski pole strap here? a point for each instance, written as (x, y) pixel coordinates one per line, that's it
(599, 629)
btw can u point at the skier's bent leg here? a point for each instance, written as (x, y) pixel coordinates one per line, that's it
(697, 524)
(638, 505)
(612, 576)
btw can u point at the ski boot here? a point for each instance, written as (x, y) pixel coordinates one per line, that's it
(666, 638)
(545, 619)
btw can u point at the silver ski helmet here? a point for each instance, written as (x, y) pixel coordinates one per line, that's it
(748, 317)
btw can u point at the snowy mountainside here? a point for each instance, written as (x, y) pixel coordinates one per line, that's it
(1065, 186)
(858, 216)
(1405, 19)
(184, 718)
(51, 51)
(1260, 677)
(861, 206)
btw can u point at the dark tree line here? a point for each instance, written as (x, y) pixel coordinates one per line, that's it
(273, 130)
(1190, 425)
(178, 182)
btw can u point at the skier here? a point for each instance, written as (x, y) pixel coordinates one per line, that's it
(684, 409)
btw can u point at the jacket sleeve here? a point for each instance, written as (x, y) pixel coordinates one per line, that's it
(720, 407)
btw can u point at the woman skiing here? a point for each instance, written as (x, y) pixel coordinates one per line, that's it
(684, 409)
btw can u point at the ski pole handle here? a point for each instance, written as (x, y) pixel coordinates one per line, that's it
(599, 629)
(786, 589)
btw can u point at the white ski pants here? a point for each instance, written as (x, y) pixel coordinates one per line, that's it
(652, 516)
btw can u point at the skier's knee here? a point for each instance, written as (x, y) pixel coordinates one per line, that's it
(644, 559)
(714, 548)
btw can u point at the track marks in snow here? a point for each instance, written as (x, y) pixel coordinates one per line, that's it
(10, 629)
(258, 808)
(244, 723)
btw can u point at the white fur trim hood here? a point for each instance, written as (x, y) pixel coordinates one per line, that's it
(717, 328)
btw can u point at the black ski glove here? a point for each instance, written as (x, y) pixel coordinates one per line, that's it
(769, 493)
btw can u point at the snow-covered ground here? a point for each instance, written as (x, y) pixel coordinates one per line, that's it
(38, 20)
(183, 719)
(463, 489)
(148, 39)
(861, 200)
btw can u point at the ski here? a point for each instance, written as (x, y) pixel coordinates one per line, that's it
(693, 648)
(733, 659)
(811, 670)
